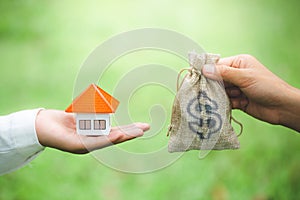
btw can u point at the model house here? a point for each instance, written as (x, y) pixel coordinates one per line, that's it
(93, 108)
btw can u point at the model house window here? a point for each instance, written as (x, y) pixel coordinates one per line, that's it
(99, 124)
(85, 124)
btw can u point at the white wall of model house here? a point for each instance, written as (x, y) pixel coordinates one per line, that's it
(93, 124)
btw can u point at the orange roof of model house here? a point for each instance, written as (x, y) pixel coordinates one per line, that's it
(93, 100)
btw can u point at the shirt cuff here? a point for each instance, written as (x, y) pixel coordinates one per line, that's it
(19, 141)
(23, 132)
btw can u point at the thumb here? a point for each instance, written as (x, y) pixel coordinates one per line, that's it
(219, 72)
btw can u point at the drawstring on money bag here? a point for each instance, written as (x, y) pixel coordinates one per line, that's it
(178, 77)
(237, 122)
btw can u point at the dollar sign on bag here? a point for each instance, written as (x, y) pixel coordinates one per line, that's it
(205, 121)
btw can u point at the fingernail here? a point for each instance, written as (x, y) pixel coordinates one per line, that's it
(209, 68)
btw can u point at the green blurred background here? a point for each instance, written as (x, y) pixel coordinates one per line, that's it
(44, 43)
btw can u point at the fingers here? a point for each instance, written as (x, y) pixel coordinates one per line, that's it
(117, 135)
(235, 73)
(240, 103)
(237, 98)
(227, 61)
(228, 74)
(127, 132)
(234, 70)
(239, 61)
(131, 128)
(233, 92)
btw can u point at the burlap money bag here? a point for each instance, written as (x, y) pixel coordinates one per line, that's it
(201, 115)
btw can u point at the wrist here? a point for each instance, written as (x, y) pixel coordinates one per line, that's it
(39, 126)
(290, 112)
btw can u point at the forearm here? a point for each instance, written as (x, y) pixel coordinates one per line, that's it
(290, 112)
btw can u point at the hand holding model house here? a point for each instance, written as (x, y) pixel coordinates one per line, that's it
(88, 129)
(25, 134)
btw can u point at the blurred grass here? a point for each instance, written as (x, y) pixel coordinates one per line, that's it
(43, 44)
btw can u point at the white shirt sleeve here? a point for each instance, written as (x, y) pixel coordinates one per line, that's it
(18, 140)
